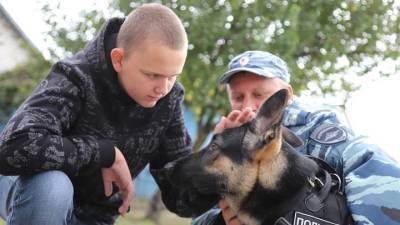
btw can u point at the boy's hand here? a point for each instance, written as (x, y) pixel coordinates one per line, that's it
(235, 119)
(119, 174)
(227, 213)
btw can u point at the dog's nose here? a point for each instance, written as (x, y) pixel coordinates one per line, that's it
(168, 168)
(170, 165)
(166, 172)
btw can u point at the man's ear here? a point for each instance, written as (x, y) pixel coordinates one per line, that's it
(290, 94)
(117, 54)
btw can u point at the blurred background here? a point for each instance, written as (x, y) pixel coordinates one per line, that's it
(344, 55)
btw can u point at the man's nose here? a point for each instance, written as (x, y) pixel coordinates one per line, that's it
(249, 103)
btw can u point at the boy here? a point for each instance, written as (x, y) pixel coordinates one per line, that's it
(70, 151)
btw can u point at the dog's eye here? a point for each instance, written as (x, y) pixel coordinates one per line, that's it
(271, 136)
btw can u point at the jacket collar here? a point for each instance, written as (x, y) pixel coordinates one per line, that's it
(295, 115)
(97, 53)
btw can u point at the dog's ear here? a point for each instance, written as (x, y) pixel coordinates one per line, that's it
(270, 112)
(291, 138)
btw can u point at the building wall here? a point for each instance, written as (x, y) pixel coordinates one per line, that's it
(12, 52)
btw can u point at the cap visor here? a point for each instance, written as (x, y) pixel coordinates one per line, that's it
(228, 75)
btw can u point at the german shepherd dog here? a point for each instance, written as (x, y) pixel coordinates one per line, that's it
(256, 169)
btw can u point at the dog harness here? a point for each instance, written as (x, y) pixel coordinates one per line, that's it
(320, 202)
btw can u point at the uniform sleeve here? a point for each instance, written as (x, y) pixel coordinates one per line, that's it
(36, 137)
(372, 183)
(371, 178)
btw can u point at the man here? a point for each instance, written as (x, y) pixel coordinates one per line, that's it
(69, 152)
(371, 178)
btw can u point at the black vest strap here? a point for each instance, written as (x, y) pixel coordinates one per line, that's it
(323, 202)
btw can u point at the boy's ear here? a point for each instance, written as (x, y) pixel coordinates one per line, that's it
(117, 54)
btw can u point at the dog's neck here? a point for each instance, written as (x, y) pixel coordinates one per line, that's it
(271, 175)
(270, 171)
(236, 195)
(269, 152)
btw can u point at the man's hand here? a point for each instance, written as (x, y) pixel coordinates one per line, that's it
(235, 119)
(227, 213)
(119, 174)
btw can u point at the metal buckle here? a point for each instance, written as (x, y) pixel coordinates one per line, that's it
(319, 182)
(315, 181)
(339, 181)
(312, 184)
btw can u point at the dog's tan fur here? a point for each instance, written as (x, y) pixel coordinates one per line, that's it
(241, 178)
(272, 164)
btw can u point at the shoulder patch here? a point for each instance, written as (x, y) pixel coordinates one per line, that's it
(329, 134)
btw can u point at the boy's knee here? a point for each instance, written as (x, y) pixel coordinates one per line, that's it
(48, 189)
(43, 198)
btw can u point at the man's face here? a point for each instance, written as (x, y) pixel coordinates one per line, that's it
(250, 90)
(149, 72)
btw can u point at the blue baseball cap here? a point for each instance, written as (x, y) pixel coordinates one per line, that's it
(258, 62)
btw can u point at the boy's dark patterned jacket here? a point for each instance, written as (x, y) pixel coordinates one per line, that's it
(74, 118)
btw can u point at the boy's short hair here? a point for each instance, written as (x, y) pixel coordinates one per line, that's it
(152, 21)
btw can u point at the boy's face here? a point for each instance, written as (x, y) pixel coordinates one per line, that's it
(149, 72)
(248, 90)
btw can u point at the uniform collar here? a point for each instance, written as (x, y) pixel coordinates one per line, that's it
(295, 115)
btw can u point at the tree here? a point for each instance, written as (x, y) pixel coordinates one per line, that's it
(319, 39)
(18, 83)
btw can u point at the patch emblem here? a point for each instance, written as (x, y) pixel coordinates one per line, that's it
(329, 134)
(244, 60)
(304, 219)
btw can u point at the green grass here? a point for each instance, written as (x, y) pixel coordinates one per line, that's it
(137, 217)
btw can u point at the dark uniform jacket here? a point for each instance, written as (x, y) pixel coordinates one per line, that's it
(74, 118)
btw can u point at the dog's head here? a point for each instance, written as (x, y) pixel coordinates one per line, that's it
(229, 165)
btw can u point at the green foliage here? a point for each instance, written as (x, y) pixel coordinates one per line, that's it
(70, 36)
(17, 84)
(317, 38)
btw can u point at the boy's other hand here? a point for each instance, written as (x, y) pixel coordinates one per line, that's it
(235, 119)
(119, 174)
